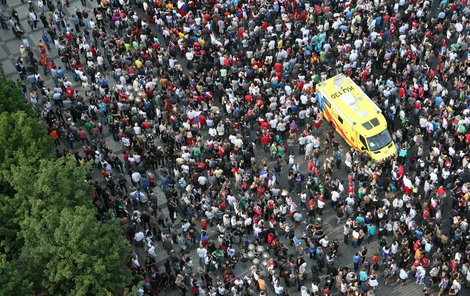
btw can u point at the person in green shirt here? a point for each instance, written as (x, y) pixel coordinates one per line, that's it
(243, 204)
(135, 44)
(322, 56)
(218, 254)
(281, 152)
(196, 153)
(273, 151)
(88, 126)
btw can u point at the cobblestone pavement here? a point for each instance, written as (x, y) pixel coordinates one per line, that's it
(10, 44)
(9, 52)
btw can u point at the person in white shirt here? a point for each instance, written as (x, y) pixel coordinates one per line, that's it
(135, 262)
(324, 242)
(315, 290)
(136, 177)
(278, 289)
(201, 253)
(186, 155)
(151, 252)
(136, 157)
(403, 276)
(210, 214)
(202, 180)
(231, 199)
(137, 129)
(126, 142)
(185, 225)
(139, 238)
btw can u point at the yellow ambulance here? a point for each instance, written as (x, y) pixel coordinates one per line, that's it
(356, 117)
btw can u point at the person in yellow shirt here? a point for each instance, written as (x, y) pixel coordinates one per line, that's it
(202, 42)
(218, 173)
(138, 63)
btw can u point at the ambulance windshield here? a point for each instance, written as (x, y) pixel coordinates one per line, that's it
(379, 141)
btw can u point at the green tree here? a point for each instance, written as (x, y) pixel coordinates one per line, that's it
(53, 236)
(11, 98)
(39, 186)
(12, 280)
(10, 242)
(50, 239)
(49, 184)
(82, 256)
(21, 136)
(22, 139)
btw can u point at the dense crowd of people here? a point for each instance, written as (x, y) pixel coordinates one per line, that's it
(214, 103)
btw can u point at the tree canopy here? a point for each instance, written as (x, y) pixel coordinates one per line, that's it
(21, 136)
(12, 99)
(53, 236)
(50, 240)
(82, 256)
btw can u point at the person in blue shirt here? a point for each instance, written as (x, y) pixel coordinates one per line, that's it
(363, 276)
(378, 21)
(315, 39)
(46, 40)
(443, 4)
(356, 260)
(418, 233)
(360, 219)
(76, 23)
(164, 183)
(371, 230)
(60, 73)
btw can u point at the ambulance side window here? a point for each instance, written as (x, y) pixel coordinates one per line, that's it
(327, 102)
(340, 119)
(363, 141)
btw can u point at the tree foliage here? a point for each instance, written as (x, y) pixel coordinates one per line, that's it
(21, 136)
(10, 242)
(54, 237)
(50, 184)
(11, 98)
(82, 256)
(12, 280)
(50, 240)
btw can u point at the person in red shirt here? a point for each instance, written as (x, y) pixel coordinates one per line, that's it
(401, 92)
(317, 125)
(54, 134)
(70, 91)
(265, 125)
(375, 262)
(265, 139)
(83, 136)
(202, 120)
(425, 262)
